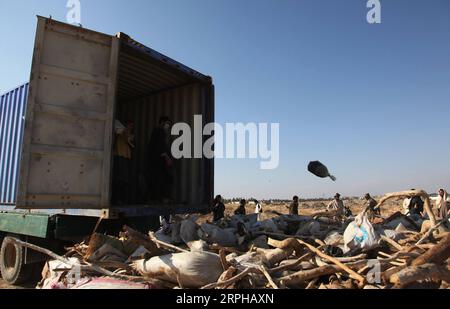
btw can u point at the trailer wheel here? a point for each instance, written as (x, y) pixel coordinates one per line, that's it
(12, 266)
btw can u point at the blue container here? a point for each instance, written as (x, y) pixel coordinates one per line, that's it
(12, 114)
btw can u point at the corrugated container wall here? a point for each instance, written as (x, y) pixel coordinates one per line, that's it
(12, 113)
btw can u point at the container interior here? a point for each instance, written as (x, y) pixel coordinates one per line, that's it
(149, 88)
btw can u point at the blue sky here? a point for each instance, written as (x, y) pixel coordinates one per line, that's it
(370, 101)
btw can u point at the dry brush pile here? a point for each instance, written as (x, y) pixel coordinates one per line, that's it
(325, 251)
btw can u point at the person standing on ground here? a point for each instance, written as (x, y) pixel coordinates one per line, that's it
(337, 204)
(218, 209)
(293, 207)
(405, 206)
(442, 204)
(415, 206)
(258, 209)
(241, 209)
(371, 203)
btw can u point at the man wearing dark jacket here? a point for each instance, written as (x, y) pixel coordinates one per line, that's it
(160, 164)
(218, 209)
(416, 205)
(241, 209)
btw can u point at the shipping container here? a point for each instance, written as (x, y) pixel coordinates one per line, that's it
(12, 112)
(58, 133)
(60, 159)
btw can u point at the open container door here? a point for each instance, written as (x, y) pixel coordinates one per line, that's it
(66, 154)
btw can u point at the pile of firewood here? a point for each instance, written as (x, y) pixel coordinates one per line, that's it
(262, 257)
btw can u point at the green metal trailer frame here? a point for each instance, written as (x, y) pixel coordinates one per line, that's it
(36, 225)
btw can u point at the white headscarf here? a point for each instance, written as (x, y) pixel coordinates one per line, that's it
(258, 208)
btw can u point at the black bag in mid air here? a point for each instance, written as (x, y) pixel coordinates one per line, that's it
(320, 170)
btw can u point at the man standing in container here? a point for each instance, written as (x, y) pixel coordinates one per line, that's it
(123, 145)
(160, 167)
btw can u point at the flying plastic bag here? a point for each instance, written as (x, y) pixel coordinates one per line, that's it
(320, 170)
(360, 234)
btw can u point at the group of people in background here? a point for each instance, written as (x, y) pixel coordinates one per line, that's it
(415, 205)
(218, 208)
(411, 206)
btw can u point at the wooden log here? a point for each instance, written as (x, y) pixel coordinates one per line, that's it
(386, 275)
(320, 242)
(327, 214)
(333, 260)
(441, 236)
(227, 274)
(430, 232)
(230, 281)
(426, 246)
(411, 239)
(98, 240)
(284, 236)
(292, 265)
(392, 242)
(311, 285)
(307, 275)
(216, 247)
(115, 265)
(87, 268)
(289, 243)
(352, 258)
(268, 277)
(142, 240)
(438, 254)
(274, 256)
(423, 272)
(223, 260)
(397, 255)
(166, 245)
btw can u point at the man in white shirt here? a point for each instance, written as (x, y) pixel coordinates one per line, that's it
(442, 203)
(258, 209)
(406, 203)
